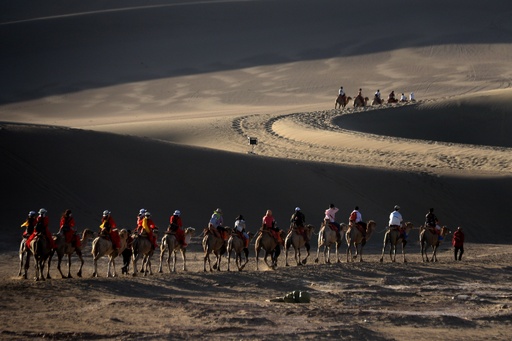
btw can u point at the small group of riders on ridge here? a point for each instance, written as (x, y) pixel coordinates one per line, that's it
(38, 223)
(360, 100)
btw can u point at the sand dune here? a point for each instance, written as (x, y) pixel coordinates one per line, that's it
(123, 105)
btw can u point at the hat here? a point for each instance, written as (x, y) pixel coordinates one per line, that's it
(218, 210)
(297, 208)
(397, 207)
(142, 211)
(177, 212)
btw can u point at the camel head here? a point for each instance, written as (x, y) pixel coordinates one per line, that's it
(190, 230)
(87, 233)
(310, 229)
(408, 227)
(445, 231)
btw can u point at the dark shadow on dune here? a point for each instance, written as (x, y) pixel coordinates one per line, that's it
(458, 122)
(63, 48)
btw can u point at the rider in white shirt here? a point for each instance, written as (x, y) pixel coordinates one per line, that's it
(395, 218)
(341, 92)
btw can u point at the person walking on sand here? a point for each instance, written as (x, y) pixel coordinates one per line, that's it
(458, 243)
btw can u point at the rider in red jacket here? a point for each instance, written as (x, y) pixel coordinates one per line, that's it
(42, 220)
(67, 224)
(177, 227)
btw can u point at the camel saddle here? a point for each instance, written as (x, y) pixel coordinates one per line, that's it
(333, 227)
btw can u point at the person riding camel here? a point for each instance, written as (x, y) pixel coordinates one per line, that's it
(240, 230)
(396, 221)
(356, 219)
(140, 218)
(298, 221)
(432, 223)
(148, 226)
(360, 95)
(29, 224)
(403, 98)
(67, 224)
(341, 92)
(377, 97)
(176, 227)
(330, 216)
(42, 227)
(108, 229)
(391, 97)
(216, 224)
(269, 224)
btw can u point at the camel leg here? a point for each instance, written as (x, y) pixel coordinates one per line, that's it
(162, 253)
(286, 247)
(184, 256)
(135, 258)
(27, 264)
(318, 252)
(246, 252)
(229, 258)
(47, 269)
(305, 260)
(403, 252)
(360, 253)
(69, 266)
(79, 254)
(257, 251)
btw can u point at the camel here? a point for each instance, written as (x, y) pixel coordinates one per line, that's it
(101, 246)
(268, 243)
(68, 249)
(341, 101)
(392, 237)
(41, 251)
(432, 239)
(236, 244)
(142, 247)
(359, 102)
(376, 101)
(215, 244)
(297, 240)
(326, 238)
(171, 244)
(24, 255)
(354, 239)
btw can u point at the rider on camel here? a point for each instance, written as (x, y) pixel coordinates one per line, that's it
(360, 96)
(391, 97)
(377, 96)
(341, 92)
(140, 218)
(29, 224)
(330, 215)
(216, 224)
(432, 223)
(176, 227)
(108, 229)
(240, 230)
(67, 222)
(395, 222)
(148, 226)
(269, 224)
(42, 227)
(356, 219)
(298, 220)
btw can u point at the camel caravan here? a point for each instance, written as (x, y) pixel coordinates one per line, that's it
(360, 101)
(217, 240)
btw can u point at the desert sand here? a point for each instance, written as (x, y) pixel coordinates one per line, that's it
(123, 105)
